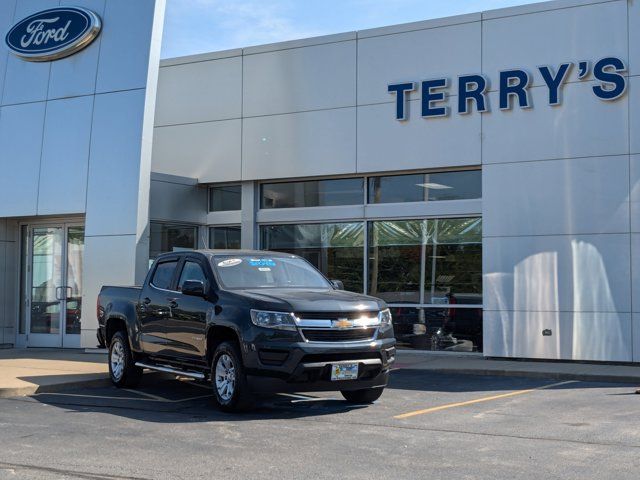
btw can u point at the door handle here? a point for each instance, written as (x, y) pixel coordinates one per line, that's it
(146, 301)
(173, 304)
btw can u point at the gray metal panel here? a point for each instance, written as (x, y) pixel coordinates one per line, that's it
(589, 204)
(20, 159)
(384, 143)
(554, 37)
(570, 273)
(634, 113)
(26, 81)
(65, 156)
(76, 75)
(7, 9)
(200, 92)
(207, 151)
(301, 144)
(175, 202)
(299, 79)
(124, 53)
(634, 41)
(583, 126)
(114, 164)
(416, 56)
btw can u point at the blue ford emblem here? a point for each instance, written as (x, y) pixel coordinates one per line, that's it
(53, 34)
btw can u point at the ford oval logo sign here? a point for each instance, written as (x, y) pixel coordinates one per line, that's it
(53, 34)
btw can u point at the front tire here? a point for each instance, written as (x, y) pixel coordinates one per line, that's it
(122, 368)
(228, 379)
(367, 395)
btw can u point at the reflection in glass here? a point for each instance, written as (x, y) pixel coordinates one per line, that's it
(170, 238)
(46, 279)
(435, 261)
(459, 185)
(73, 290)
(313, 193)
(224, 237)
(445, 329)
(336, 249)
(225, 198)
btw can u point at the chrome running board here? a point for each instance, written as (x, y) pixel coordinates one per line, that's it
(158, 368)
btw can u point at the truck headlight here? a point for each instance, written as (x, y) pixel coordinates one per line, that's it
(278, 320)
(385, 318)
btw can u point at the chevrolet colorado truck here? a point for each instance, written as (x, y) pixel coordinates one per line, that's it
(247, 322)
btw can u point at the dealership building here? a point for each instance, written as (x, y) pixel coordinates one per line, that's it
(480, 173)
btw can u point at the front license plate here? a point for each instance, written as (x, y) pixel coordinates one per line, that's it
(344, 371)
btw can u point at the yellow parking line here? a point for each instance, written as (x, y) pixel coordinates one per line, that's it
(477, 400)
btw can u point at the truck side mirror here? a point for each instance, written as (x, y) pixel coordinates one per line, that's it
(195, 288)
(337, 284)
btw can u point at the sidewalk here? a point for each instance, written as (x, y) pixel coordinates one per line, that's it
(477, 365)
(37, 370)
(29, 371)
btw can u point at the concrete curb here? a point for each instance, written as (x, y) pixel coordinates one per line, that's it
(102, 380)
(583, 377)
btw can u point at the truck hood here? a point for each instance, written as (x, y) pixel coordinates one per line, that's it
(310, 300)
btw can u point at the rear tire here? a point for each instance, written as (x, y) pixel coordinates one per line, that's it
(228, 379)
(122, 368)
(367, 395)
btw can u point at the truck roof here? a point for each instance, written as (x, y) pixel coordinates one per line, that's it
(212, 252)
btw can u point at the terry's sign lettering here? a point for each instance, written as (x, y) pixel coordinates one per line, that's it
(513, 88)
(53, 34)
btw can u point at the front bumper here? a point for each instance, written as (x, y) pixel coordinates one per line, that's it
(306, 366)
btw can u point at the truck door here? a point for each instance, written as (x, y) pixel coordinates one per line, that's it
(188, 319)
(153, 307)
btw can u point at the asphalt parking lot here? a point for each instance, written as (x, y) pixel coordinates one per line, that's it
(426, 425)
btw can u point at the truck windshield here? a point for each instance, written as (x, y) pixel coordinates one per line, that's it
(264, 271)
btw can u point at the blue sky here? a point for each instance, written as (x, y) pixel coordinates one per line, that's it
(197, 26)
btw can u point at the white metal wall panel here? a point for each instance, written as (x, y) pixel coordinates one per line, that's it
(551, 197)
(20, 158)
(634, 39)
(125, 48)
(299, 145)
(634, 114)
(384, 143)
(587, 32)
(207, 151)
(583, 126)
(585, 273)
(27, 81)
(575, 335)
(65, 152)
(7, 9)
(300, 79)
(442, 52)
(114, 166)
(77, 74)
(200, 92)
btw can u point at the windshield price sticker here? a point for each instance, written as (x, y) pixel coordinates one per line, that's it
(262, 262)
(231, 262)
(264, 269)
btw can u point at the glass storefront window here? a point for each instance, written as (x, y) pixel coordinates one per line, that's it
(225, 197)
(224, 237)
(336, 249)
(435, 261)
(314, 193)
(170, 238)
(445, 329)
(459, 185)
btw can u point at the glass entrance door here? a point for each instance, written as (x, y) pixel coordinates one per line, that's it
(54, 285)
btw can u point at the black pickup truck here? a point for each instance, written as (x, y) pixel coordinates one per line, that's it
(249, 322)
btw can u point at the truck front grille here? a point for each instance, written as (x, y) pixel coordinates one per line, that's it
(337, 335)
